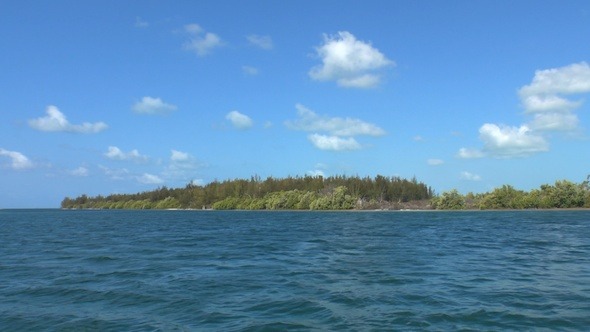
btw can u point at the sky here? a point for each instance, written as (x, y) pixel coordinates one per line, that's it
(104, 97)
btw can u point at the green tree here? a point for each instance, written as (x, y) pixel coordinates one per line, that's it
(449, 200)
(566, 194)
(505, 197)
(168, 203)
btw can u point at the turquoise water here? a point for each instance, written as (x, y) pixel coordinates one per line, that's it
(302, 271)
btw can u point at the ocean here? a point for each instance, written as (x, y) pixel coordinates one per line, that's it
(104, 270)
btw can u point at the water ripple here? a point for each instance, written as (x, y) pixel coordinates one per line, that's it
(299, 271)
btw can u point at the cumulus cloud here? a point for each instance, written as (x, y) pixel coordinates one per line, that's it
(200, 41)
(310, 121)
(551, 103)
(340, 131)
(334, 143)
(115, 153)
(239, 120)
(57, 121)
(571, 79)
(470, 176)
(364, 81)
(80, 171)
(182, 166)
(554, 122)
(147, 178)
(435, 162)
(349, 62)
(126, 175)
(505, 141)
(264, 42)
(179, 156)
(149, 105)
(18, 161)
(470, 153)
(545, 97)
(547, 100)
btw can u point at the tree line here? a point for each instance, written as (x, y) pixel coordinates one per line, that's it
(290, 193)
(562, 194)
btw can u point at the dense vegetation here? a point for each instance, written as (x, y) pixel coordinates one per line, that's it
(563, 194)
(291, 193)
(337, 193)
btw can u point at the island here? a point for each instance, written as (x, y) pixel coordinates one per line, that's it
(337, 193)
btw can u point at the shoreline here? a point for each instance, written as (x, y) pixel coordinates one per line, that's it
(287, 210)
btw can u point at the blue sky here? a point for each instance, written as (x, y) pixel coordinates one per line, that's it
(103, 97)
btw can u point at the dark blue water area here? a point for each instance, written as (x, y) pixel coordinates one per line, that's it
(298, 271)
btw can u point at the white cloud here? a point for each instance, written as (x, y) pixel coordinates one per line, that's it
(544, 96)
(179, 156)
(549, 103)
(182, 166)
(149, 105)
(193, 29)
(250, 70)
(147, 178)
(264, 42)
(125, 174)
(341, 131)
(470, 153)
(554, 122)
(239, 120)
(115, 153)
(80, 171)
(364, 81)
(334, 143)
(543, 99)
(505, 142)
(18, 161)
(57, 121)
(310, 121)
(319, 170)
(571, 79)
(349, 62)
(470, 177)
(201, 42)
(435, 162)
